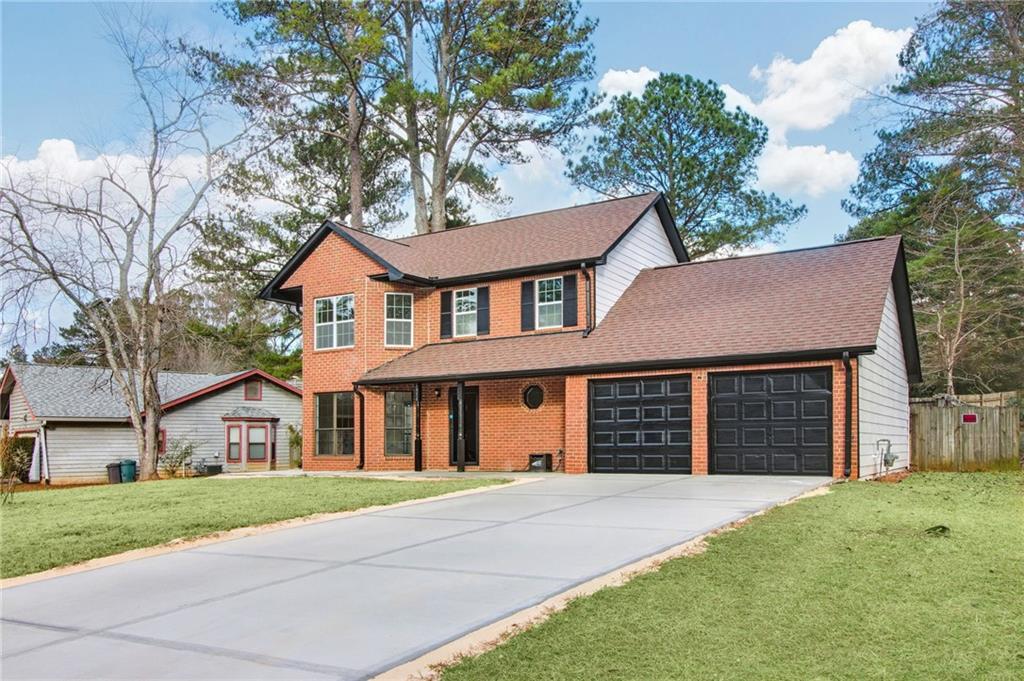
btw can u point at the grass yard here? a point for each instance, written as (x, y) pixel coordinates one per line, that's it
(846, 585)
(41, 530)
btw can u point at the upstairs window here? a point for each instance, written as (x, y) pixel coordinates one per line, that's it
(334, 325)
(465, 312)
(549, 303)
(254, 390)
(398, 319)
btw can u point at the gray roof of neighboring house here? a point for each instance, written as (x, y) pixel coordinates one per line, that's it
(79, 392)
(250, 413)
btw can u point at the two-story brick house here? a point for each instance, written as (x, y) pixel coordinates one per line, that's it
(587, 335)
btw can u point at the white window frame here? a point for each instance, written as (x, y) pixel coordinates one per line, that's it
(561, 303)
(334, 323)
(456, 313)
(412, 316)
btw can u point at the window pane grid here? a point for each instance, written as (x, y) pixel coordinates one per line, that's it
(335, 424)
(398, 319)
(549, 303)
(334, 322)
(465, 312)
(398, 423)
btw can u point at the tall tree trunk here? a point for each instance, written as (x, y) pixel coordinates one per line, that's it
(353, 139)
(412, 128)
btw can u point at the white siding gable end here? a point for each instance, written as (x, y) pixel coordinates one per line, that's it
(646, 245)
(884, 397)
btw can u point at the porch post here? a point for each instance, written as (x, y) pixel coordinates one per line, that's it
(460, 447)
(418, 446)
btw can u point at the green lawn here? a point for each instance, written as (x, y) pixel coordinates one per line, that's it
(41, 530)
(846, 585)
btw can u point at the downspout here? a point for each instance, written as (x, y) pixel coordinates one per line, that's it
(847, 415)
(586, 277)
(362, 427)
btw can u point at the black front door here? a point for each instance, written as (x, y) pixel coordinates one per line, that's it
(471, 397)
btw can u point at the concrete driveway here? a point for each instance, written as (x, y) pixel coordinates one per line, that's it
(354, 597)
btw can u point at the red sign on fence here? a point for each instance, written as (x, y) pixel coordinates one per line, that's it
(968, 418)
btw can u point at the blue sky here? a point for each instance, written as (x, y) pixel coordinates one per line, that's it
(806, 68)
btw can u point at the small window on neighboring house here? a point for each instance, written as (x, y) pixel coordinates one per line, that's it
(549, 303)
(533, 397)
(398, 423)
(234, 452)
(256, 443)
(465, 312)
(254, 389)
(398, 319)
(334, 324)
(335, 424)
(161, 445)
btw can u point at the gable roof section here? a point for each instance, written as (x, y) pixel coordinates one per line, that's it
(810, 303)
(530, 243)
(85, 392)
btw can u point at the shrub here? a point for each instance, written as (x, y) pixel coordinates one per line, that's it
(178, 452)
(16, 458)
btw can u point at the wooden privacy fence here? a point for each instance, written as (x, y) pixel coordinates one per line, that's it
(942, 439)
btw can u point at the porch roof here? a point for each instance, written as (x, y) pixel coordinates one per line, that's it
(805, 304)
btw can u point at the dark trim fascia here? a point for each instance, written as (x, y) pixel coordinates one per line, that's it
(905, 313)
(492, 276)
(645, 365)
(672, 230)
(272, 290)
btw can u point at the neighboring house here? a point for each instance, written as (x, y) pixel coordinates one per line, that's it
(585, 334)
(81, 424)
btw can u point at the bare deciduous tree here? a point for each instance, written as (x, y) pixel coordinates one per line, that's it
(115, 245)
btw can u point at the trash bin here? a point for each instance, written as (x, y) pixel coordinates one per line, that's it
(214, 469)
(113, 473)
(127, 470)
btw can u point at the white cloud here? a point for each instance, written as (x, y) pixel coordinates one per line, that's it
(614, 82)
(811, 170)
(845, 67)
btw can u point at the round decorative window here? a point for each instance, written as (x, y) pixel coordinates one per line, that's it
(533, 396)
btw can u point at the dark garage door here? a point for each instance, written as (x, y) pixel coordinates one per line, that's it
(640, 425)
(772, 423)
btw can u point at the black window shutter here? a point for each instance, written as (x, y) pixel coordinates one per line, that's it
(527, 304)
(446, 314)
(569, 300)
(483, 310)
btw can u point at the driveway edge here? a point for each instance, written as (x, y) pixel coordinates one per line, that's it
(176, 545)
(430, 665)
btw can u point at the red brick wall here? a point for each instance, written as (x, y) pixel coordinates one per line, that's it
(576, 417)
(509, 431)
(337, 268)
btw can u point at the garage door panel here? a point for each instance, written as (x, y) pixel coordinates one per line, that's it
(641, 425)
(771, 422)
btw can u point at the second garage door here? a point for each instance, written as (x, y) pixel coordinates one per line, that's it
(640, 425)
(772, 423)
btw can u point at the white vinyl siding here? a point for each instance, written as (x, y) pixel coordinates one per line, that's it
(398, 320)
(21, 416)
(884, 396)
(334, 322)
(81, 451)
(200, 420)
(646, 245)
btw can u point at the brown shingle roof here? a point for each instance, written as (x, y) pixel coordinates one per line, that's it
(790, 303)
(558, 236)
